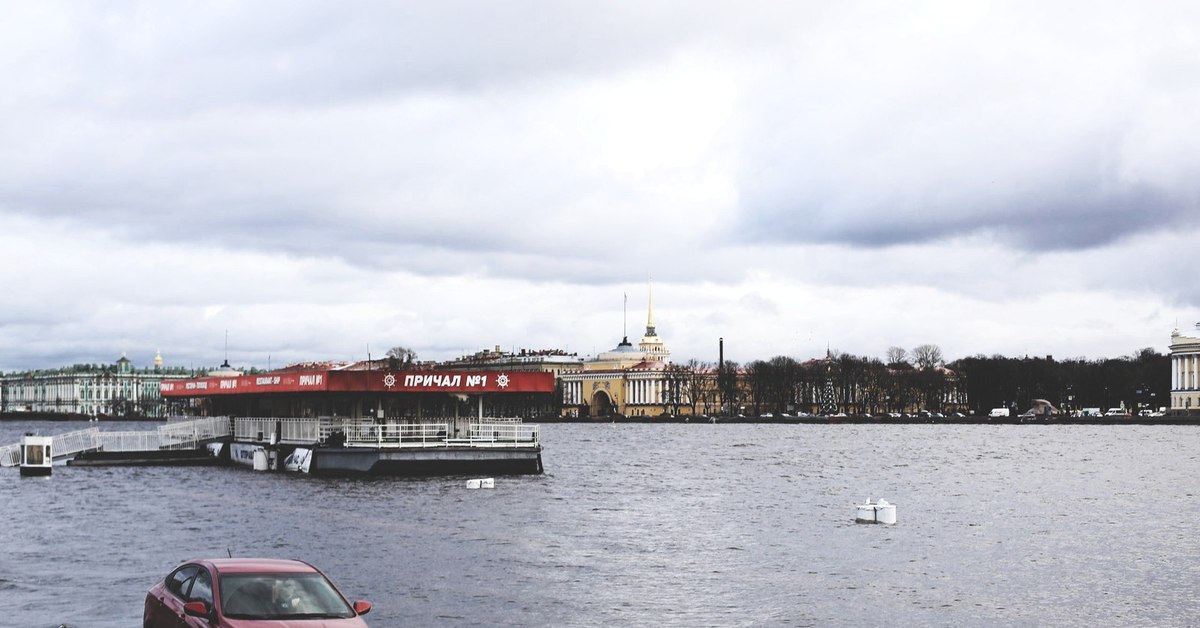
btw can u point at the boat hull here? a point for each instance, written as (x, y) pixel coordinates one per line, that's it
(430, 461)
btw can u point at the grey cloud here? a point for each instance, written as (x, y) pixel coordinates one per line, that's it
(133, 58)
(1043, 220)
(1027, 127)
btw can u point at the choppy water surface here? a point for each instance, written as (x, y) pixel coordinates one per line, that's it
(692, 525)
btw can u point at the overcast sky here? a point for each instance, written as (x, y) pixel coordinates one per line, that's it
(322, 179)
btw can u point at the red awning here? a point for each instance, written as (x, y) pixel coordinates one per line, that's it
(466, 382)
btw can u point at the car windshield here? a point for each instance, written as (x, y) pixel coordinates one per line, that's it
(280, 596)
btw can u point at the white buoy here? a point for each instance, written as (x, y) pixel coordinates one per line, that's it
(878, 512)
(885, 513)
(482, 483)
(260, 459)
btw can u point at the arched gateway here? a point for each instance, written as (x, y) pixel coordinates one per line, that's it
(601, 405)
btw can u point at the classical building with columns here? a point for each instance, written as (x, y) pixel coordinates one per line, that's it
(90, 390)
(627, 381)
(1185, 371)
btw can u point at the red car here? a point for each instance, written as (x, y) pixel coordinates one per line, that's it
(249, 593)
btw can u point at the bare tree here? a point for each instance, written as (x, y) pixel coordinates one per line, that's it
(729, 386)
(675, 378)
(401, 356)
(697, 383)
(897, 355)
(758, 383)
(927, 356)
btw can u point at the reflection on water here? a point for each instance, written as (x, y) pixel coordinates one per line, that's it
(659, 524)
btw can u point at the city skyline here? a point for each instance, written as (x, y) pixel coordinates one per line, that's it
(318, 179)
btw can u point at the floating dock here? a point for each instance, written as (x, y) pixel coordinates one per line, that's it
(495, 445)
(320, 446)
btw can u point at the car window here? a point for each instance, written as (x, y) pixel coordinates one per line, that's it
(281, 595)
(179, 581)
(202, 588)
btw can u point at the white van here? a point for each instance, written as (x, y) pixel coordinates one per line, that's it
(998, 412)
(1116, 412)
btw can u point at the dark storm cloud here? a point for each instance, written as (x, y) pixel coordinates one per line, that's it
(1047, 129)
(1049, 220)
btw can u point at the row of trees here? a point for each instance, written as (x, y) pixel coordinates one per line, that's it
(838, 383)
(1140, 380)
(917, 380)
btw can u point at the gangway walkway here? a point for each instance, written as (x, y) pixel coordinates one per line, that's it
(174, 435)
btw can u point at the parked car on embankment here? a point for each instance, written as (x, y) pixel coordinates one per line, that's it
(249, 593)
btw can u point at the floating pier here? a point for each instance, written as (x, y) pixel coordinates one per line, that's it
(321, 446)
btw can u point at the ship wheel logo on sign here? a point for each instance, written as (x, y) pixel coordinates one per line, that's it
(389, 380)
(502, 380)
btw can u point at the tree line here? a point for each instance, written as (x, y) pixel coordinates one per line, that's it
(1141, 380)
(915, 380)
(906, 381)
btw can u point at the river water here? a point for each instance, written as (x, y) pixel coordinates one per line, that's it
(677, 525)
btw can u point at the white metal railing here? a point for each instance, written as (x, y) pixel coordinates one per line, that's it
(10, 455)
(178, 435)
(503, 434)
(367, 433)
(500, 419)
(130, 441)
(174, 435)
(486, 432)
(71, 443)
(293, 430)
(188, 434)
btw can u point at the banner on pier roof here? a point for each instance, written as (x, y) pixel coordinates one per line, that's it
(459, 382)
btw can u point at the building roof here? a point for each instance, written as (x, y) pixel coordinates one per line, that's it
(380, 381)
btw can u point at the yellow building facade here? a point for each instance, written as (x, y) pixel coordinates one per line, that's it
(1185, 371)
(627, 380)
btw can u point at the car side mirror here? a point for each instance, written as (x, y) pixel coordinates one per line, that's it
(196, 609)
(362, 607)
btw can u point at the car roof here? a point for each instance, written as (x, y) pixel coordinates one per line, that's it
(257, 565)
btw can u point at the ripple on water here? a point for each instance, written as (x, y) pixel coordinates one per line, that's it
(662, 524)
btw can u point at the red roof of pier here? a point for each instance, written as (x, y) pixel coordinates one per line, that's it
(466, 382)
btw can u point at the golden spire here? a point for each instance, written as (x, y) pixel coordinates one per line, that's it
(650, 307)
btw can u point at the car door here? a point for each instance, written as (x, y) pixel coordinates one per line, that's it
(201, 591)
(169, 600)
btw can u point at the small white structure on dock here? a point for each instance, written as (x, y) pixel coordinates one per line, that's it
(36, 455)
(299, 460)
(878, 512)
